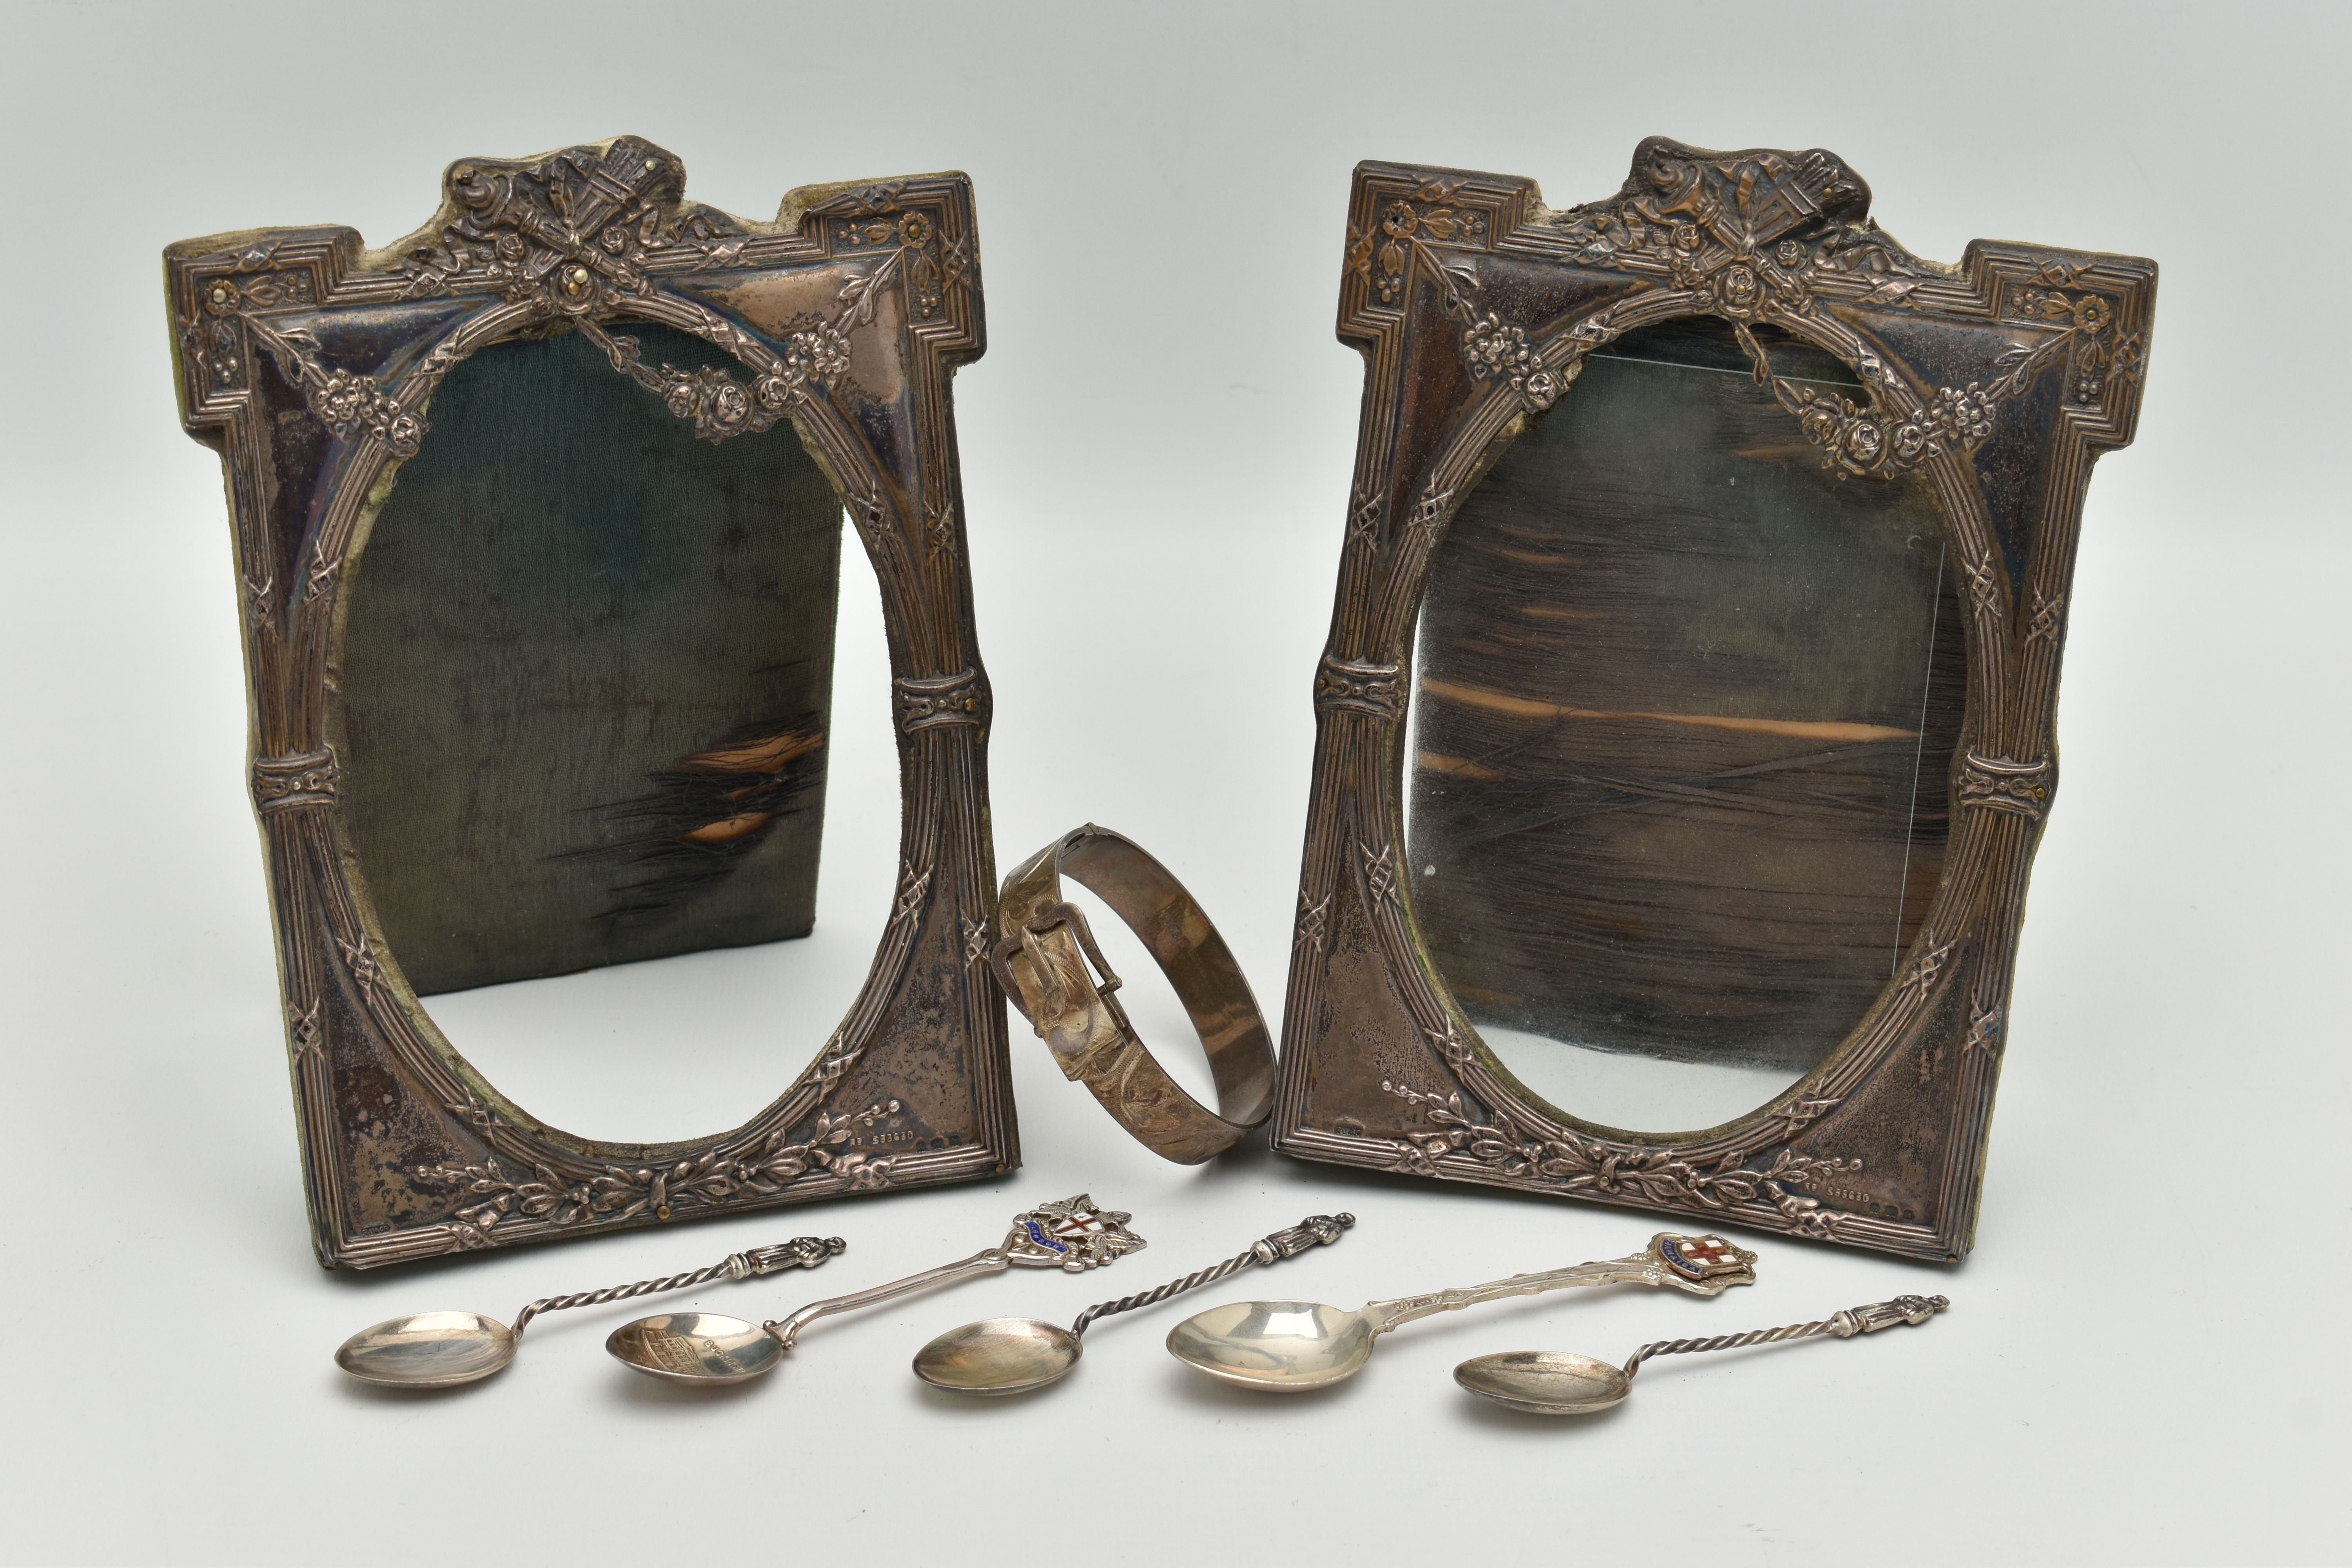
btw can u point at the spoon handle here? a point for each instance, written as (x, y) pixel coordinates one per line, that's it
(806, 1251)
(1316, 1229)
(1072, 1234)
(1617, 1270)
(1640, 1268)
(1702, 1265)
(1854, 1321)
(787, 1329)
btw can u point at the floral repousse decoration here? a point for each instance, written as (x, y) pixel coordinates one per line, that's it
(1405, 223)
(1993, 378)
(574, 232)
(212, 338)
(572, 237)
(1867, 441)
(929, 269)
(583, 241)
(350, 406)
(1493, 349)
(1581, 1165)
(618, 1193)
(720, 405)
(1724, 232)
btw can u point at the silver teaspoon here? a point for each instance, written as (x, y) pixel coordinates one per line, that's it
(442, 1350)
(1290, 1347)
(706, 1348)
(1556, 1382)
(1013, 1355)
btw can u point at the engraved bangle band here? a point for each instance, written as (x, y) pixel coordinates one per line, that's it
(1048, 961)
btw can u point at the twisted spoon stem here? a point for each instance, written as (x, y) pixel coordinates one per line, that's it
(1320, 1229)
(1854, 1321)
(807, 1251)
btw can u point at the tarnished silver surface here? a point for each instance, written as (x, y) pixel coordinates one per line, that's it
(1381, 1066)
(310, 365)
(999, 1355)
(1292, 1347)
(706, 1348)
(427, 1350)
(1013, 1355)
(441, 1350)
(695, 1347)
(1544, 1383)
(1053, 971)
(1559, 1382)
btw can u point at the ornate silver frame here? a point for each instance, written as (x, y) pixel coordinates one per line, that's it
(408, 1151)
(2002, 379)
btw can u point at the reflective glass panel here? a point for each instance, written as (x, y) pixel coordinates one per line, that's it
(1683, 720)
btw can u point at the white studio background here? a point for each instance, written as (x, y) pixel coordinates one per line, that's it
(2145, 1360)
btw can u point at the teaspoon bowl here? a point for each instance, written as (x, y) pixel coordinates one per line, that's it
(999, 1355)
(1545, 1383)
(1285, 1347)
(427, 1350)
(1073, 1235)
(700, 1347)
